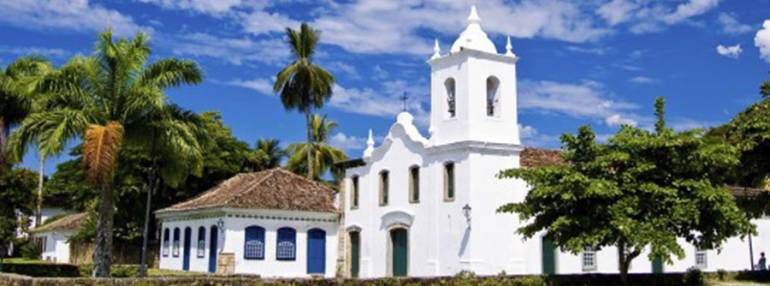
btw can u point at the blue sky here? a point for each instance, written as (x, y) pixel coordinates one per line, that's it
(597, 62)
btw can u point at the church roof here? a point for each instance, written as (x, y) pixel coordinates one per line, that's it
(67, 222)
(532, 157)
(274, 189)
(474, 38)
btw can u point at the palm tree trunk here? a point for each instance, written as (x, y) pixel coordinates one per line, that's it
(148, 211)
(309, 120)
(3, 138)
(103, 252)
(39, 202)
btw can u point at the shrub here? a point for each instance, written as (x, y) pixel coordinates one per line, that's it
(693, 277)
(27, 248)
(42, 269)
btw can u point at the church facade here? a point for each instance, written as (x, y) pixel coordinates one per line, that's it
(413, 206)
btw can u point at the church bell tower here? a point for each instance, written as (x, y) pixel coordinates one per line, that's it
(473, 90)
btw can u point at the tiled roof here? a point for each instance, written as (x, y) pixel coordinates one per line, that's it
(275, 189)
(537, 157)
(68, 222)
(746, 192)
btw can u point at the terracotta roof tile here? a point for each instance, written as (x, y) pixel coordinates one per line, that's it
(272, 189)
(68, 222)
(537, 157)
(746, 192)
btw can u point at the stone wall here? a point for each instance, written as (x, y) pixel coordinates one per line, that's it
(226, 263)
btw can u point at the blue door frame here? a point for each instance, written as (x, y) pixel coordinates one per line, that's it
(213, 239)
(186, 249)
(316, 251)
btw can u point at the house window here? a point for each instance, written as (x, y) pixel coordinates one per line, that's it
(165, 242)
(254, 244)
(493, 85)
(449, 181)
(701, 259)
(384, 187)
(589, 259)
(414, 184)
(354, 192)
(175, 249)
(201, 242)
(285, 248)
(450, 97)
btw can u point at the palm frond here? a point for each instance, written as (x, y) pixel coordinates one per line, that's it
(171, 72)
(101, 146)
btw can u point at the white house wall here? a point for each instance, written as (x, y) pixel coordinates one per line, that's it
(197, 264)
(56, 247)
(270, 266)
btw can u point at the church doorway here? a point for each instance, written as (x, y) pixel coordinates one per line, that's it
(355, 253)
(548, 256)
(399, 246)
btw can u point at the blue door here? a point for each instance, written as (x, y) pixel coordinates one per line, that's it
(186, 251)
(213, 238)
(316, 251)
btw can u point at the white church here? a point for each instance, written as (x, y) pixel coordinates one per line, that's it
(412, 206)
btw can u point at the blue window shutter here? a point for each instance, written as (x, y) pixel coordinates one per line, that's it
(286, 246)
(175, 246)
(254, 243)
(165, 242)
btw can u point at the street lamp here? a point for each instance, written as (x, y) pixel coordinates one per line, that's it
(467, 213)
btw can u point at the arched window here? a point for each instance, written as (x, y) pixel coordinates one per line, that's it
(450, 96)
(165, 242)
(493, 84)
(286, 244)
(449, 181)
(414, 184)
(254, 243)
(175, 250)
(354, 192)
(201, 242)
(384, 187)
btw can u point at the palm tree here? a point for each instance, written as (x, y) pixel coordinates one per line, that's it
(105, 99)
(266, 155)
(175, 137)
(17, 97)
(304, 85)
(324, 155)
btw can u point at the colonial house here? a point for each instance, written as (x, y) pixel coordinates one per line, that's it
(55, 237)
(272, 223)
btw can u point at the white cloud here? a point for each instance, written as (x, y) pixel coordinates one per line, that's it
(22, 51)
(342, 67)
(652, 16)
(261, 85)
(762, 41)
(598, 51)
(236, 51)
(73, 15)
(642, 80)
(530, 136)
(262, 22)
(730, 51)
(730, 24)
(346, 142)
(386, 103)
(584, 100)
(374, 26)
(211, 7)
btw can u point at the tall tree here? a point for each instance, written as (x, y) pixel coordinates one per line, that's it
(324, 156)
(17, 99)
(303, 85)
(640, 190)
(104, 99)
(17, 186)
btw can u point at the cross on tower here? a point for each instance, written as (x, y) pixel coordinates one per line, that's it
(404, 98)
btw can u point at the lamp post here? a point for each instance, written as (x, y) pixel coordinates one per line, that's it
(467, 213)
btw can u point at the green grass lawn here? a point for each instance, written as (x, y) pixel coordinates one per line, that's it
(162, 272)
(22, 260)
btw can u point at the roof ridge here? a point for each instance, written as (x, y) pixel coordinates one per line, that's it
(270, 173)
(210, 191)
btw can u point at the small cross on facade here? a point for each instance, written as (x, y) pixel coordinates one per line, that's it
(404, 98)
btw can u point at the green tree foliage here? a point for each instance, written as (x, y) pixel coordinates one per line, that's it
(303, 85)
(17, 187)
(104, 99)
(639, 190)
(324, 156)
(267, 154)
